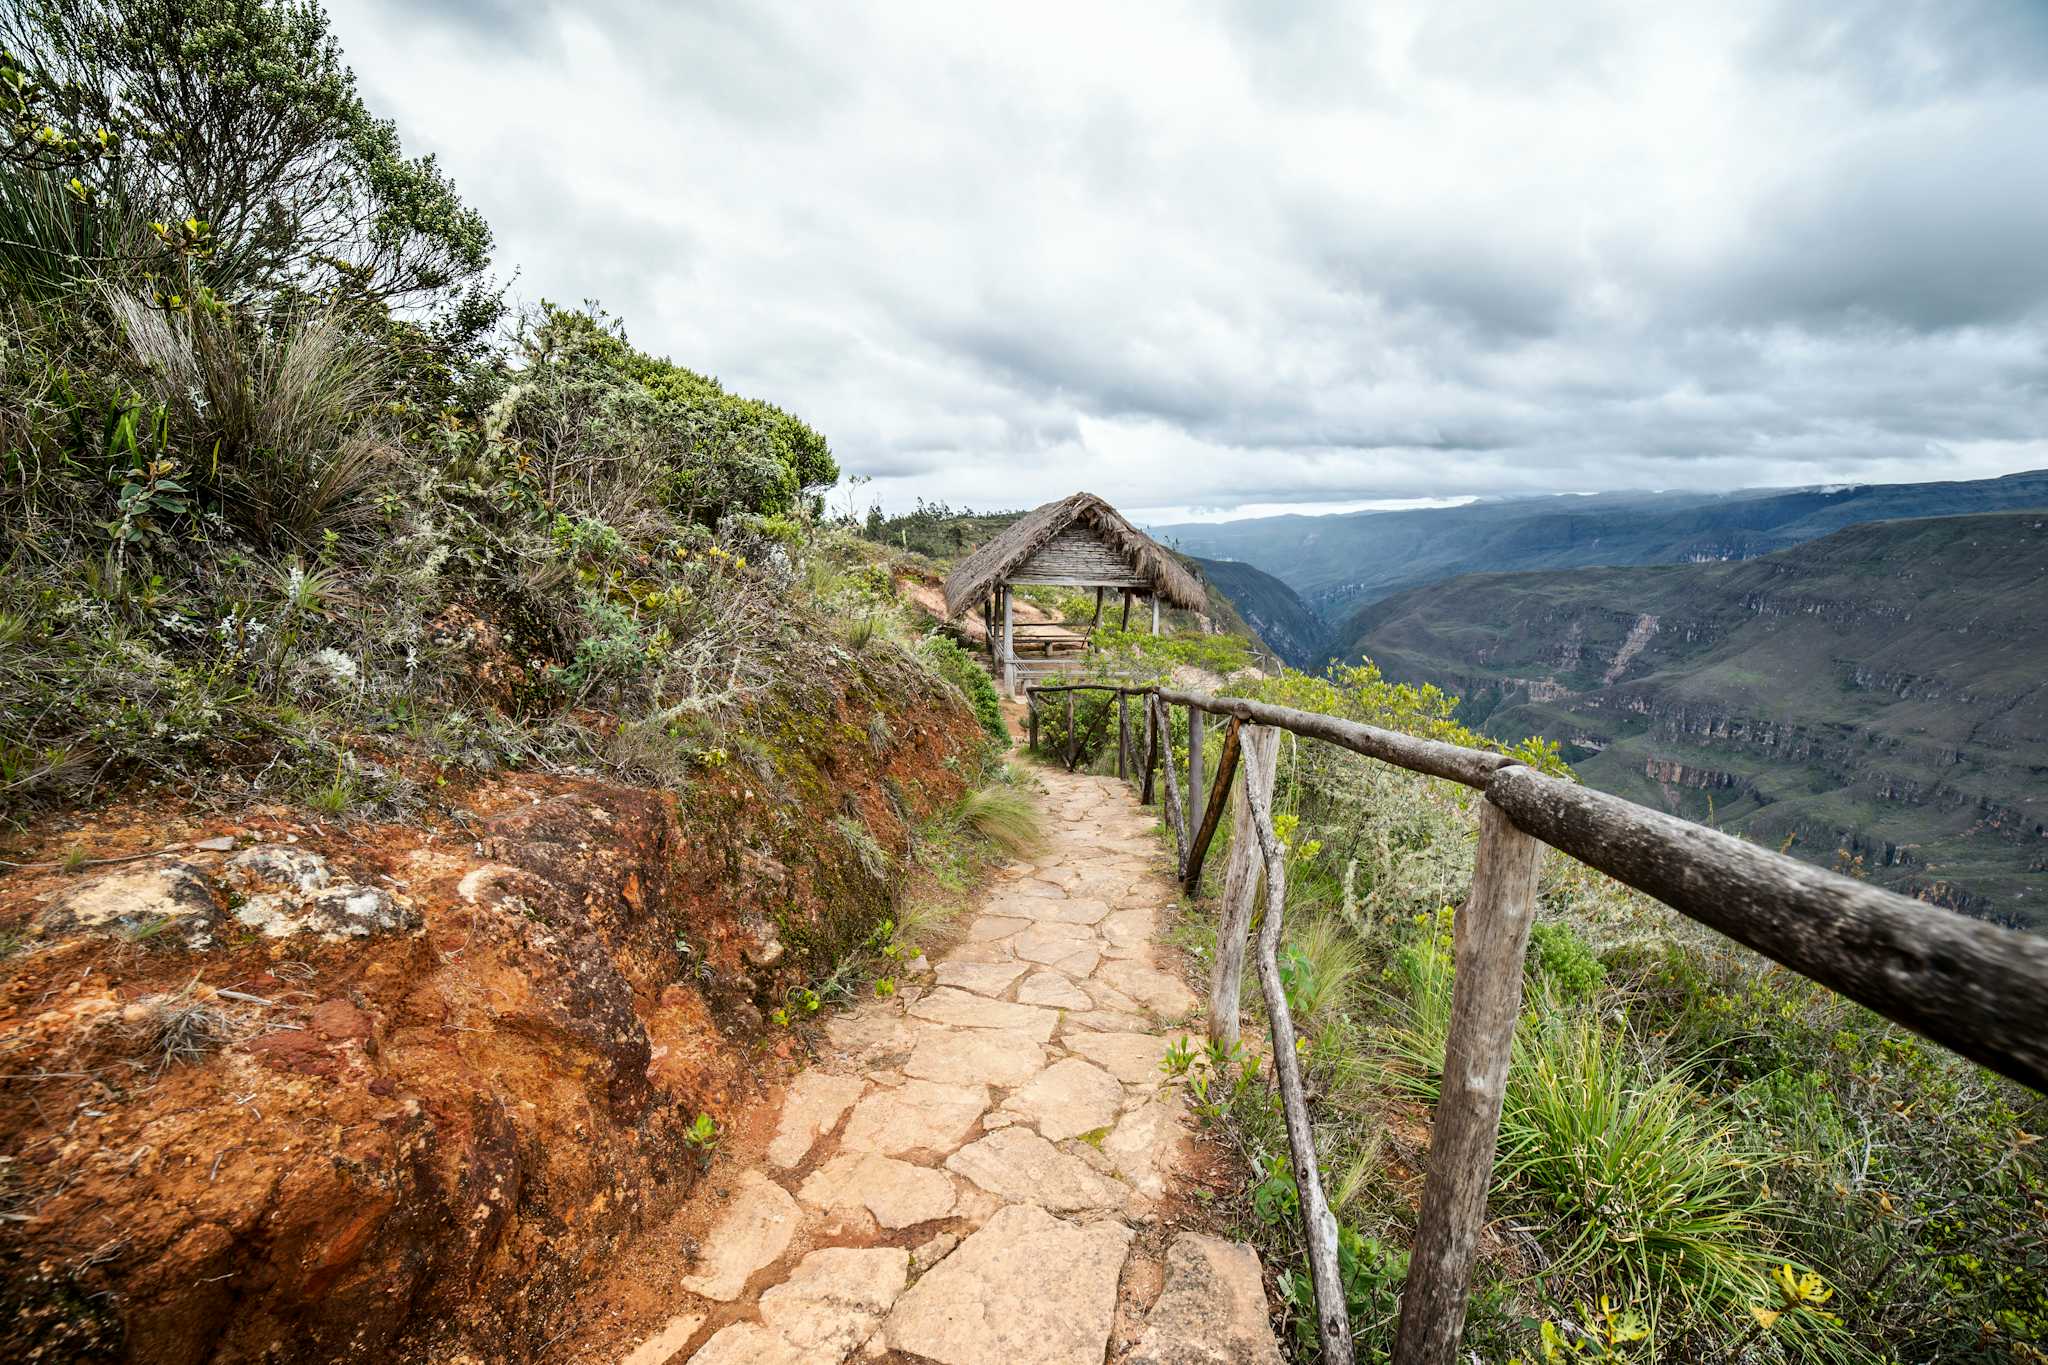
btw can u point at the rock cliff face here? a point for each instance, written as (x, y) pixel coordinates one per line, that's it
(1879, 694)
(293, 1088)
(1272, 610)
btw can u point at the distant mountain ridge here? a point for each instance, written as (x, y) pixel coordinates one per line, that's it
(1340, 563)
(1881, 690)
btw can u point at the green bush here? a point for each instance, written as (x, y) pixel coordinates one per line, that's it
(1563, 962)
(960, 668)
(610, 431)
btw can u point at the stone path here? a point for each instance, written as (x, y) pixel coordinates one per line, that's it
(964, 1178)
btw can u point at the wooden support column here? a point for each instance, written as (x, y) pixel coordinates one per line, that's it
(1196, 792)
(1126, 624)
(1092, 624)
(1009, 643)
(1155, 614)
(1031, 711)
(1491, 937)
(1072, 738)
(1259, 745)
(1123, 739)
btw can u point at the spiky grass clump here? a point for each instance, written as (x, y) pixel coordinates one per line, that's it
(1655, 1190)
(185, 1025)
(1655, 1193)
(1004, 816)
(1321, 965)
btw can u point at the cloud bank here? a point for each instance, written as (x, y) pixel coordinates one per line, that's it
(1204, 255)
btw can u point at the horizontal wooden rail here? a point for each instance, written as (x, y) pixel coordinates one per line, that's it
(1473, 767)
(1974, 987)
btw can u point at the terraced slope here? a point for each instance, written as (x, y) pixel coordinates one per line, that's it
(1882, 690)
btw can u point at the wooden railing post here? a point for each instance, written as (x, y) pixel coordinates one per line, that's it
(1031, 717)
(1212, 808)
(1240, 888)
(1318, 1224)
(1151, 752)
(1169, 792)
(1195, 790)
(1491, 936)
(1123, 738)
(1072, 738)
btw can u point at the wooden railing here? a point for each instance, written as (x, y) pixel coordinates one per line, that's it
(1973, 987)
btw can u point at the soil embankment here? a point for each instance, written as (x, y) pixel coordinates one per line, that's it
(286, 1087)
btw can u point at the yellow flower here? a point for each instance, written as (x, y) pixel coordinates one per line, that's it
(1766, 1318)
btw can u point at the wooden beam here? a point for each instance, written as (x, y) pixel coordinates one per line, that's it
(1212, 810)
(1195, 791)
(1240, 892)
(1974, 987)
(1491, 936)
(1094, 736)
(1472, 767)
(1318, 1224)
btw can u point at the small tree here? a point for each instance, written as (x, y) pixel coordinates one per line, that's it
(236, 120)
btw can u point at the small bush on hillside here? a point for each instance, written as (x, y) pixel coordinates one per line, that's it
(961, 669)
(1562, 962)
(1004, 816)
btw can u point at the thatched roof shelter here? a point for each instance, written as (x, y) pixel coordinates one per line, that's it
(1079, 541)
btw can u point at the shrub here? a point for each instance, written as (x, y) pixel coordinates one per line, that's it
(960, 668)
(1563, 962)
(1004, 816)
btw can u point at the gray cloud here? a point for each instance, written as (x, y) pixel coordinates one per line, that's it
(1228, 252)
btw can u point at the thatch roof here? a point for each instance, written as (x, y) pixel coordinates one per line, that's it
(1005, 553)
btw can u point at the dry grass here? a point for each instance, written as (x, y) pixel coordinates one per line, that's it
(1005, 816)
(185, 1025)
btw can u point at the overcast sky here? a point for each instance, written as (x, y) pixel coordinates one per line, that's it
(1194, 257)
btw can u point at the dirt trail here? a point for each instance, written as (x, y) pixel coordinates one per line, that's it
(983, 1171)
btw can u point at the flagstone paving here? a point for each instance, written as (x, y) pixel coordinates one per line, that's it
(962, 1178)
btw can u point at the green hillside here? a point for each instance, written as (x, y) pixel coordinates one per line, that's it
(1883, 690)
(1339, 563)
(1271, 610)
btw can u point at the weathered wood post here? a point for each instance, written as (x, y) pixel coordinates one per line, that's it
(1213, 802)
(1169, 790)
(1318, 1224)
(1151, 752)
(1123, 738)
(1155, 613)
(1491, 937)
(1257, 744)
(1125, 624)
(1072, 738)
(1195, 789)
(1009, 645)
